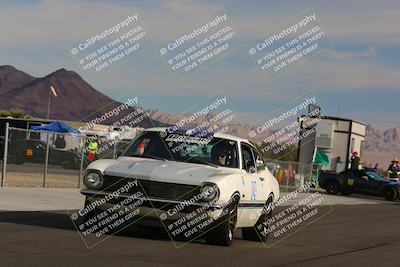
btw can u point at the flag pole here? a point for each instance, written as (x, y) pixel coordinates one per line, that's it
(312, 164)
(48, 105)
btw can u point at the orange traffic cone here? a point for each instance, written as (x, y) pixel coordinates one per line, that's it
(281, 176)
(291, 173)
(140, 149)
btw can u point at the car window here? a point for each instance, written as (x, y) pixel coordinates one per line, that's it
(260, 164)
(248, 158)
(375, 176)
(185, 148)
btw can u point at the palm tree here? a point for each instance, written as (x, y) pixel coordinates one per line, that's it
(15, 113)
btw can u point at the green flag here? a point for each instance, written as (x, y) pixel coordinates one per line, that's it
(320, 157)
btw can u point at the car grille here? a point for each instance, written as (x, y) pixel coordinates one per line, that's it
(154, 189)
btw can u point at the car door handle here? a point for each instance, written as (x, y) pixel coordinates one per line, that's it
(261, 178)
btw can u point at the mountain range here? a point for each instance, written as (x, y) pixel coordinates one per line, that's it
(76, 99)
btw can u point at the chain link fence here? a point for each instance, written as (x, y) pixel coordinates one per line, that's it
(292, 175)
(47, 159)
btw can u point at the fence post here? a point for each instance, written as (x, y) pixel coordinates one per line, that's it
(301, 169)
(114, 150)
(5, 152)
(83, 142)
(46, 162)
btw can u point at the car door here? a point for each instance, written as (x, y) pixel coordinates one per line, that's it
(372, 185)
(39, 151)
(360, 182)
(249, 171)
(261, 174)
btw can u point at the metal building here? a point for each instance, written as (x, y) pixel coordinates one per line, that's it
(337, 137)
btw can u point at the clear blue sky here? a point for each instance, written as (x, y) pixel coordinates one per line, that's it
(360, 72)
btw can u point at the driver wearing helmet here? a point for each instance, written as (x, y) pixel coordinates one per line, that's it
(221, 158)
(220, 154)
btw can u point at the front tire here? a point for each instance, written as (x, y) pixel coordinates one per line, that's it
(91, 214)
(346, 192)
(390, 193)
(223, 234)
(260, 230)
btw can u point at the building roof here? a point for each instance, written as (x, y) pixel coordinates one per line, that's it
(338, 119)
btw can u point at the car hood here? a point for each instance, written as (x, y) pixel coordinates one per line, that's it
(163, 171)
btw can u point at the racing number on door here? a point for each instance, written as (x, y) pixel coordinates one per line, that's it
(350, 182)
(253, 190)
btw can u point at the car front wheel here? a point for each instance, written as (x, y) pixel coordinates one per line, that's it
(390, 193)
(223, 233)
(260, 230)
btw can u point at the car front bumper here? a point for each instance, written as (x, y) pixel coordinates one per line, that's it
(153, 212)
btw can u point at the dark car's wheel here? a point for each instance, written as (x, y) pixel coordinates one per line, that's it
(223, 233)
(70, 164)
(260, 230)
(390, 193)
(345, 192)
(15, 158)
(332, 187)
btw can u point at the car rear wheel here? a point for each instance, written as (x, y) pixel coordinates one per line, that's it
(15, 158)
(390, 193)
(346, 192)
(332, 187)
(70, 164)
(260, 230)
(223, 233)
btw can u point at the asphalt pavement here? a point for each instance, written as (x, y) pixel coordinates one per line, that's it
(350, 235)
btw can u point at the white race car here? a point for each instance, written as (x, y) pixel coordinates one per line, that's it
(209, 184)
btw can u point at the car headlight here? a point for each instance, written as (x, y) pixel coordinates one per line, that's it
(93, 180)
(210, 192)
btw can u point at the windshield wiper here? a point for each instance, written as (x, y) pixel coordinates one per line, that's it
(194, 160)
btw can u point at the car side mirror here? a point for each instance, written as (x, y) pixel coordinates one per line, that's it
(252, 169)
(260, 163)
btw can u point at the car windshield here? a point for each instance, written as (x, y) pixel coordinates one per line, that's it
(185, 148)
(375, 176)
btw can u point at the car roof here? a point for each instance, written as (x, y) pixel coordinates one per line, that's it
(217, 135)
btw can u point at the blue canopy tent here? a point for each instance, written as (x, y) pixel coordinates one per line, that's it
(58, 127)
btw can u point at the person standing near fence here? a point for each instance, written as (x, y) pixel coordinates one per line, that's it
(92, 149)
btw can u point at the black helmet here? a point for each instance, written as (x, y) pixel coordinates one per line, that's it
(221, 149)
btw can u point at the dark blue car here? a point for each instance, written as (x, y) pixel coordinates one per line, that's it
(358, 181)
